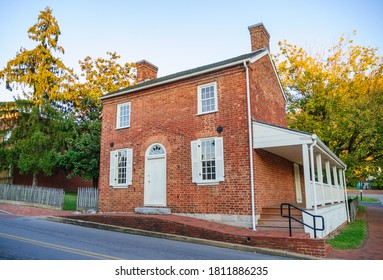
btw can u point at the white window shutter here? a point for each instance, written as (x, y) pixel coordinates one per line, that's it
(199, 101)
(129, 166)
(195, 161)
(219, 165)
(129, 106)
(118, 116)
(112, 168)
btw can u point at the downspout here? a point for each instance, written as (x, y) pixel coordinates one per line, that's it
(314, 138)
(345, 194)
(250, 145)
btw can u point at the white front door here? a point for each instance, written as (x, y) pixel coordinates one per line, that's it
(155, 176)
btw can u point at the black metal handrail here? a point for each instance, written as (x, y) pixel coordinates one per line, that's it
(314, 227)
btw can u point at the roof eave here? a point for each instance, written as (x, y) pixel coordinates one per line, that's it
(251, 59)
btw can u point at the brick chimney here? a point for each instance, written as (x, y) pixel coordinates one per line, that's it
(259, 37)
(145, 71)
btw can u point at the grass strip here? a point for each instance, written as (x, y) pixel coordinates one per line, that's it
(353, 235)
(70, 201)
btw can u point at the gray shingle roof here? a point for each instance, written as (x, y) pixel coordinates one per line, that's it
(187, 73)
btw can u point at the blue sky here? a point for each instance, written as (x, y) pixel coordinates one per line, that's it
(179, 35)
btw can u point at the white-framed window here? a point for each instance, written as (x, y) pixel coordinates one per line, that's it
(121, 163)
(123, 115)
(207, 160)
(207, 98)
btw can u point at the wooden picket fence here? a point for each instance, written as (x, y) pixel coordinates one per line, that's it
(87, 199)
(33, 195)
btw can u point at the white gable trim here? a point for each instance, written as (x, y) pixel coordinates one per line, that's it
(279, 80)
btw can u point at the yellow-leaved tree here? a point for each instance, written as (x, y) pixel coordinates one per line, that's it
(338, 94)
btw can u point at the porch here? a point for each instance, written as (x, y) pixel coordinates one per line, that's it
(323, 172)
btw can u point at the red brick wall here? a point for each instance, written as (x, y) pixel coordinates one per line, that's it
(267, 101)
(273, 179)
(167, 115)
(145, 71)
(274, 176)
(279, 241)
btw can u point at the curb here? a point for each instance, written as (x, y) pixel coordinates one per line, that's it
(181, 238)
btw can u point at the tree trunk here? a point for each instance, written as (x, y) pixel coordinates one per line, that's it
(95, 182)
(34, 181)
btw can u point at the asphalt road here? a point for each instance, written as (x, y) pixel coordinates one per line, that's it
(373, 205)
(28, 238)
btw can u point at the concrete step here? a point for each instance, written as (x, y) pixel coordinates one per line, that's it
(277, 211)
(271, 220)
(279, 223)
(278, 216)
(280, 229)
(152, 210)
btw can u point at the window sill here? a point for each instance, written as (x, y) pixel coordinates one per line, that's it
(120, 187)
(215, 183)
(119, 128)
(205, 113)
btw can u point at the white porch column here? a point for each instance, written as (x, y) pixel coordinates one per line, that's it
(312, 166)
(329, 180)
(320, 176)
(306, 176)
(341, 183)
(336, 182)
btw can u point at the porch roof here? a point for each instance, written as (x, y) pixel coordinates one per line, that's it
(287, 143)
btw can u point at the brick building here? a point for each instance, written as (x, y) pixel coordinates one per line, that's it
(212, 143)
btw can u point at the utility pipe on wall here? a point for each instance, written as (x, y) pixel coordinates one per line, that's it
(345, 194)
(250, 145)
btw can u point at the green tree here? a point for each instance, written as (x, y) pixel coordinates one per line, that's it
(38, 73)
(36, 123)
(82, 157)
(339, 96)
(58, 123)
(102, 75)
(38, 135)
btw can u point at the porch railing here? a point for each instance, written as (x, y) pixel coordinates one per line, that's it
(290, 217)
(325, 194)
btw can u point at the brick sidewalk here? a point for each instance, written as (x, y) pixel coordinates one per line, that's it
(22, 210)
(372, 249)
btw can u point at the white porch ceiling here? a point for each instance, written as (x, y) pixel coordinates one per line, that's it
(287, 143)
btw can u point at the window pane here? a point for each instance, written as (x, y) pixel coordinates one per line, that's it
(208, 99)
(124, 115)
(122, 163)
(208, 160)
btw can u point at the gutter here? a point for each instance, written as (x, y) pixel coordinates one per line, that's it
(252, 59)
(345, 194)
(250, 144)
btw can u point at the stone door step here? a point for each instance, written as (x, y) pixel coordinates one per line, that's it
(152, 210)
